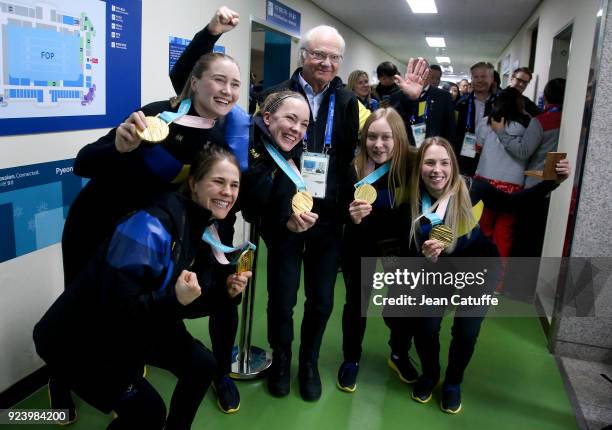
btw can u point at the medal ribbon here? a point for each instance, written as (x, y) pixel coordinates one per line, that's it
(468, 124)
(195, 121)
(173, 116)
(375, 175)
(436, 217)
(211, 236)
(470, 107)
(289, 168)
(181, 117)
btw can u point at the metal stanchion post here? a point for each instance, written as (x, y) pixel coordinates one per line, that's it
(250, 360)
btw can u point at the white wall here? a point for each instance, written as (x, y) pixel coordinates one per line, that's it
(30, 283)
(554, 16)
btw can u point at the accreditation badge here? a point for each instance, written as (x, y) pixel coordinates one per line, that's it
(468, 149)
(314, 169)
(418, 133)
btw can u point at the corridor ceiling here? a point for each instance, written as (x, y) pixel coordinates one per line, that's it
(474, 30)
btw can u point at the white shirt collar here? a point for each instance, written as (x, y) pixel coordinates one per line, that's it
(306, 85)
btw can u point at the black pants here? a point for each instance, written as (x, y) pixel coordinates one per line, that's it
(140, 407)
(521, 279)
(319, 248)
(530, 228)
(194, 366)
(222, 327)
(223, 322)
(358, 294)
(137, 404)
(427, 341)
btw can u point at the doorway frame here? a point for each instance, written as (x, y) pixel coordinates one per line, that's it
(295, 39)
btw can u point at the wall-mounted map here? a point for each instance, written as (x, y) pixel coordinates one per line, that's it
(64, 59)
(55, 61)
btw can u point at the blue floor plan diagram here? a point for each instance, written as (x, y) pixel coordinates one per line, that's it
(53, 60)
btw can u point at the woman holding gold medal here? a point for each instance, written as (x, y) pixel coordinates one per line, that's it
(446, 213)
(377, 185)
(275, 197)
(127, 307)
(150, 153)
(279, 128)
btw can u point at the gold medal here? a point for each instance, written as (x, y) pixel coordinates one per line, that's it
(366, 192)
(301, 202)
(245, 261)
(156, 131)
(443, 233)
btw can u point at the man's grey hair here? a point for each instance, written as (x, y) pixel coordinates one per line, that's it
(312, 34)
(483, 65)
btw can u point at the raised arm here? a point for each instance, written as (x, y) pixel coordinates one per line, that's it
(224, 20)
(509, 202)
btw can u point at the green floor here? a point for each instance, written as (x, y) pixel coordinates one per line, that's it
(512, 383)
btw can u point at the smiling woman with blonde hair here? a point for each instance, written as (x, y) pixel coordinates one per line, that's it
(359, 83)
(383, 162)
(439, 176)
(440, 196)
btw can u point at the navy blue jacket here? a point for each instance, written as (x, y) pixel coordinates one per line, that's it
(440, 119)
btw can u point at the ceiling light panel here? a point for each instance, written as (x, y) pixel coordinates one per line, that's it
(435, 42)
(422, 6)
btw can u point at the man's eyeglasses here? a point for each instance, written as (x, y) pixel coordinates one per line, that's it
(521, 81)
(322, 56)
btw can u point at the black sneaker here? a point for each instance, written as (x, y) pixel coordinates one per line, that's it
(60, 398)
(402, 365)
(279, 375)
(228, 397)
(310, 381)
(423, 388)
(451, 398)
(347, 376)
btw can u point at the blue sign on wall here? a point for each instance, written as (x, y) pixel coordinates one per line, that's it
(176, 46)
(283, 16)
(34, 202)
(72, 67)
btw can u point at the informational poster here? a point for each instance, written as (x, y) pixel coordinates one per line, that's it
(34, 202)
(68, 64)
(176, 46)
